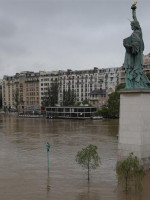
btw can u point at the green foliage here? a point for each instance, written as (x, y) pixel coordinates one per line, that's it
(112, 109)
(51, 97)
(0, 102)
(69, 97)
(54, 93)
(46, 101)
(78, 103)
(113, 106)
(130, 171)
(104, 112)
(17, 99)
(148, 75)
(86, 101)
(88, 158)
(120, 86)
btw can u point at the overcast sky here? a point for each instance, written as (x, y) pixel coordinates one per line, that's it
(67, 34)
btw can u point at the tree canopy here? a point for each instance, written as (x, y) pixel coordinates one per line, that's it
(69, 97)
(113, 106)
(51, 96)
(17, 99)
(130, 171)
(88, 158)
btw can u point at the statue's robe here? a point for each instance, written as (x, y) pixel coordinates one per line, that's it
(133, 63)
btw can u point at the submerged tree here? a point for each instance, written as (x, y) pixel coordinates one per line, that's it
(88, 158)
(130, 171)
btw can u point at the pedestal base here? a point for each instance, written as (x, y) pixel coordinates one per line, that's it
(134, 125)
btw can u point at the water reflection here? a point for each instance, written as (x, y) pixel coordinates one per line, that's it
(88, 193)
(88, 196)
(48, 184)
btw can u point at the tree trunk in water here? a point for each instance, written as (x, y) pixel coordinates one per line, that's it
(126, 183)
(88, 171)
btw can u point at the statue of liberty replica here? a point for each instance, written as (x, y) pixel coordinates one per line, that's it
(134, 126)
(133, 63)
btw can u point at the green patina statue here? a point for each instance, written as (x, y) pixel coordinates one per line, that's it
(133, 63)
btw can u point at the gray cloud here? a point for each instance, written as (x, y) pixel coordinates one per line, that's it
(7, 29)
(49, 35)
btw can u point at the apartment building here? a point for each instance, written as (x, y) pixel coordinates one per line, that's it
(32, 87)
(146, 63)
(0, 93)
(122, 75)
(99, 97)
(146, 60)
(22, 86)
(83, 82)
(8, 92)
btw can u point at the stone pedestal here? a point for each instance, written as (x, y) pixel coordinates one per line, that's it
(134, 125)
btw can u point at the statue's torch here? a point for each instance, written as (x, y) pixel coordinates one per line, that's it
(133, 7)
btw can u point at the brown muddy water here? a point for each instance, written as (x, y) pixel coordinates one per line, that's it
(23, 161)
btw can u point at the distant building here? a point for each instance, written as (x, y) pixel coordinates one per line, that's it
(146, 60)
(122, 75)
(8, 92)
(86, 84)
(146, 63)
(99, 97)
(23, 87)
(0, 93)
(83, 82)
(31, 87)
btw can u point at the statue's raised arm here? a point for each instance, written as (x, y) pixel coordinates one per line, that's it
(133, 7)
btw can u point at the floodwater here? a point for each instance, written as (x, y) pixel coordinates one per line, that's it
(23, 161)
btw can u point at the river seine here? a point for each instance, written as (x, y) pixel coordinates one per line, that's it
(23, 161)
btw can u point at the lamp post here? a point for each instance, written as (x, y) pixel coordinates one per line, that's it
(48, 148)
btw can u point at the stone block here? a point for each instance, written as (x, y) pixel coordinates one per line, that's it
(134, 125)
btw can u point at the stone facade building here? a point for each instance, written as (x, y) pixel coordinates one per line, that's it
(99, 97)
(8, 92)
(83, 82)
(32, 87)
(22, 86)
